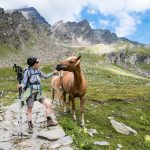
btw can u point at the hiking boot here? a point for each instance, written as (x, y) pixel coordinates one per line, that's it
(51, 123)
(30, 127)
(31, 124)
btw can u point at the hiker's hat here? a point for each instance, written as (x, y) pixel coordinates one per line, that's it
(31, 61)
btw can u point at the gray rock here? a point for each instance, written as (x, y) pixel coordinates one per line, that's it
(5, 145)
(101, 143)
(91, 132)
(121, 127)
(65, 148)
(62, 142)
(53, 134)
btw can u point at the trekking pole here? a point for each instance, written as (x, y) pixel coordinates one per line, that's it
(20, 133)
(19, 73)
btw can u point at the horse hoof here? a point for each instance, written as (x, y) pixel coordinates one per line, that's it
(82, 126)
(75, 119)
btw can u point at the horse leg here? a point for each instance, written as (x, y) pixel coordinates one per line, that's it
(82, 110)
(69, 100)
(64, 101)
(73, 108)
(61, 98)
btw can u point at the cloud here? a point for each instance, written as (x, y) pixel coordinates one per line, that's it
(127, 24)
(70, 10)
(123, 11)
(91, 11)
(52, 11)
(104, 23)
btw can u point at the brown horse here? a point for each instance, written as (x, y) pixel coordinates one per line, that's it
(56, 90)
(73, 83)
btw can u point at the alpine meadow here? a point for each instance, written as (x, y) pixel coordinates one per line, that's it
(117, 73)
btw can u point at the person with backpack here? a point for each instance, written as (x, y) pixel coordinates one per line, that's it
(31, 84)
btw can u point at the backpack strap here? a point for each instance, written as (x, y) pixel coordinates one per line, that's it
(31, 84)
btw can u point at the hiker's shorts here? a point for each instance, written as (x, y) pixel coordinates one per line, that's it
(30, 98)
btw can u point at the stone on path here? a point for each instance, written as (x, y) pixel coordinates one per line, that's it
(65, 148)
(5, 145)
(67, 140)
(9, 129)
(54, 134)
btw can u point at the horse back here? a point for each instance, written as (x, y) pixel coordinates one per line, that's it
(56, 83)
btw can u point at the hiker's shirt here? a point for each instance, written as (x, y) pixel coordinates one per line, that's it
(32, 78)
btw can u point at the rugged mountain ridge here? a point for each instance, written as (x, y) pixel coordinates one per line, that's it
(21, 37)
(32, 14)
(73, 32)
(82, 33)
(28, 32)
(18, 23)
(16, 28)
(9, 22)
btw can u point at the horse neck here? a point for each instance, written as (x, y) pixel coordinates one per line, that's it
(77, 76)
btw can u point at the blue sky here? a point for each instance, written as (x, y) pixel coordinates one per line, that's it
(98, 20)
(126, 18)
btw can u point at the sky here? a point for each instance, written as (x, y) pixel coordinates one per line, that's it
(126, 18)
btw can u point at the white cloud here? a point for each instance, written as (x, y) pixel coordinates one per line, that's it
(66, 10)
(126, 26)
(104, 23)
(91, 11)
(122, 10)
(69, 10)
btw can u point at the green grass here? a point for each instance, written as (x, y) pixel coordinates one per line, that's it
(6, 50)
(112, 91)
(144, 66)
(118, 93)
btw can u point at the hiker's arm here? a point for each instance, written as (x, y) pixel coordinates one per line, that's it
(46, 76)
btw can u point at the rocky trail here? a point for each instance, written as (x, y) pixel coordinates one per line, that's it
(43, 138)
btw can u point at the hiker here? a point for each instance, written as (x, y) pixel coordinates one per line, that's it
(31, 84)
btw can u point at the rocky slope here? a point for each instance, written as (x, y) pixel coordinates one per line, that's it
(24, 32)
(9, 22)
(16, 25)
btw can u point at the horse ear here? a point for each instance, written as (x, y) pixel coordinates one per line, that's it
(78, 57)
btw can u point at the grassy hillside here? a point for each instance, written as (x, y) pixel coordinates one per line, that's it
(112, 91)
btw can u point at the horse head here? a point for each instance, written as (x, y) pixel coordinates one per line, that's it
(70, 64)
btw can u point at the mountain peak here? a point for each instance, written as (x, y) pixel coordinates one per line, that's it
(32, 13)
(83, 23)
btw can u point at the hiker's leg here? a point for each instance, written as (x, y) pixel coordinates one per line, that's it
(29, 113)
(48, 106)
(30, 103)
(49, 113)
